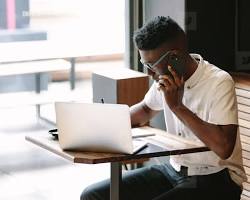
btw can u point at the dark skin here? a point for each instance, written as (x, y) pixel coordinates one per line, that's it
(219, 138)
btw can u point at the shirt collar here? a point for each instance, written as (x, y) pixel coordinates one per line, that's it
(196, 76)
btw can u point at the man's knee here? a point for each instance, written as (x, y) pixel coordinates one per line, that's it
(87, 194)
(98, 191)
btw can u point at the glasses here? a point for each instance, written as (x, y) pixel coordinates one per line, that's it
(152, 67)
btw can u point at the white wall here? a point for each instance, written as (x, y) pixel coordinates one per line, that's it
(173, 8)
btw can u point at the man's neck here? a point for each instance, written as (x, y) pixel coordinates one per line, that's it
(191, 66)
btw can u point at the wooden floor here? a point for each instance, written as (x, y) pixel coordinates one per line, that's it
(28, 172)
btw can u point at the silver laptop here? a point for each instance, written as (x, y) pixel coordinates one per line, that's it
(95, 127)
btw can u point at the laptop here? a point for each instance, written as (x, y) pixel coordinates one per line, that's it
(95, 127)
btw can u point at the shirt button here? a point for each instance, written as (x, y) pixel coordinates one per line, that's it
(179, 134)
(188, 87)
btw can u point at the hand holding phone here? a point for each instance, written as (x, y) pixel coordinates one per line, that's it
(175, 60)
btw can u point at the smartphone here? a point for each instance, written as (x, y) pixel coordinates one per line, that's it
(176, 62)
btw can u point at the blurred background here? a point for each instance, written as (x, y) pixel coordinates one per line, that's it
(48, 52)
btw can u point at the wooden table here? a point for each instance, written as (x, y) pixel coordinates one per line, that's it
(162, 144)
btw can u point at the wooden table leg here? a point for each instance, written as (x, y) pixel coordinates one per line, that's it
(115, 180)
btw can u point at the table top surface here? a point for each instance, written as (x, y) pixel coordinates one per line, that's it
(161, 144)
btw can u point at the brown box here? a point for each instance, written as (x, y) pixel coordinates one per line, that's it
(121, 85)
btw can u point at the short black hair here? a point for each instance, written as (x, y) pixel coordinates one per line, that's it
(157, 31)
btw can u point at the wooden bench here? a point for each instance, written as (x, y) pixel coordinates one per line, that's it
(34, 67)
(242, 87)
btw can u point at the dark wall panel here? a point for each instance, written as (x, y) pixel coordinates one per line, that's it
(213, 33)
(243, 25)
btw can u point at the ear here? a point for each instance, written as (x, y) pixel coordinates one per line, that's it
(179, 53)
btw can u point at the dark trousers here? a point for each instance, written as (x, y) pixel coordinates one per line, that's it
(162, 182)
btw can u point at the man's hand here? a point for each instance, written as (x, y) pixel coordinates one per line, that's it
(172, 88)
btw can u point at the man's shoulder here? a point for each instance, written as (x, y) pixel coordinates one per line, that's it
(217, 75)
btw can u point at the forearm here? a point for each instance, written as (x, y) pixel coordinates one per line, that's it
(140, 114)
(210, 134)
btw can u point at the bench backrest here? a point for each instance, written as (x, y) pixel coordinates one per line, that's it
(242, 87)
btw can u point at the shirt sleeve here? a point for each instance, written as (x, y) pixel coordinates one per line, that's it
(224, 105)
(153, 98)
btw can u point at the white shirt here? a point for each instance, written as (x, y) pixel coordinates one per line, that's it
(210, 94)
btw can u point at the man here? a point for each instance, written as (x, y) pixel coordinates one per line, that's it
(199, 104)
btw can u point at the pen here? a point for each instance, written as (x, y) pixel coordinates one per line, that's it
(53, 130)
(143, 135)
(141, 148)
